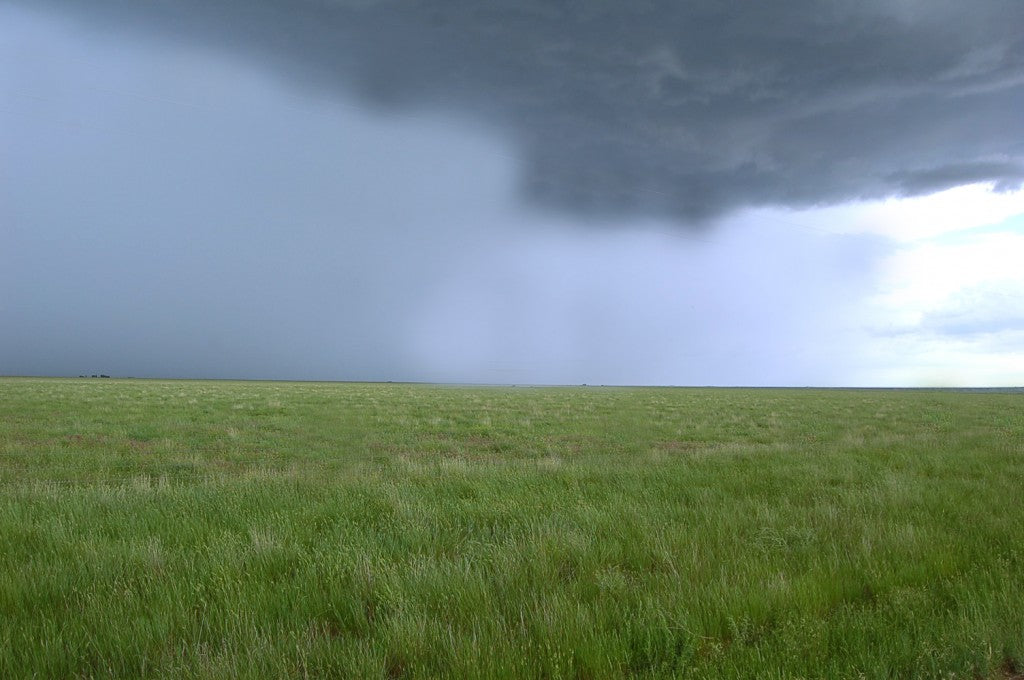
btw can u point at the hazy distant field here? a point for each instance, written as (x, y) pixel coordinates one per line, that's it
(218, 529)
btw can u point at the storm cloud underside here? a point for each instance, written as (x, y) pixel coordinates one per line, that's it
(679, 109)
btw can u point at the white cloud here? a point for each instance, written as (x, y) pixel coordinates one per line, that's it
(949, 309)
(948, 301)
(907, 220)
(927, 277)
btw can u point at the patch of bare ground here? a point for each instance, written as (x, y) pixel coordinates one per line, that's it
(1010, 670)
(1007, 670)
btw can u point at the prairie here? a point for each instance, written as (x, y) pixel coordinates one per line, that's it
(212, 529)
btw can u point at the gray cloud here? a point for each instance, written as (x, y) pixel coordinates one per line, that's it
(657, 108)
(170, 212)
(1010, 177)
(329, 191)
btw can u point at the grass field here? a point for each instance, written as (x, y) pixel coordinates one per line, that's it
(261, 530)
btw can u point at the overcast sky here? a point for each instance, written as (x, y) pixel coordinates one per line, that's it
(786, 193)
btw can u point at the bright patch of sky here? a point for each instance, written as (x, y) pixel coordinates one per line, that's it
(948, 301)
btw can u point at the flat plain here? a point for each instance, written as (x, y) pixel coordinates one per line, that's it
(208, 529)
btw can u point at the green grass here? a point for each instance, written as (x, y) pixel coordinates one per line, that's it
(224, 529)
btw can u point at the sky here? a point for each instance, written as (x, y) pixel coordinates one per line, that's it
(644, 192)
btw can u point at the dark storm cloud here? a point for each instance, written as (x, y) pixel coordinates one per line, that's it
(1011, 176)
(681, 109)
